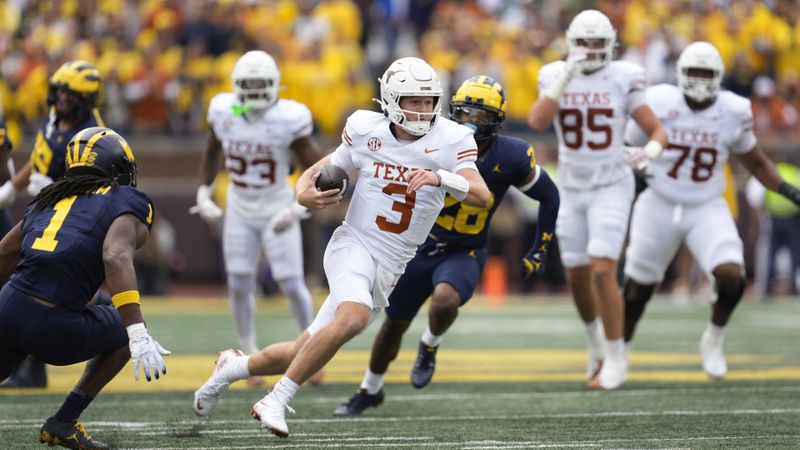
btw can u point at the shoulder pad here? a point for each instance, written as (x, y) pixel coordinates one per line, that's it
(362, 121)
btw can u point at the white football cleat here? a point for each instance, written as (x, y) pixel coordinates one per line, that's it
(206, 398)
(614, 372)
(713, 356)
(272, 415)
(596, 347)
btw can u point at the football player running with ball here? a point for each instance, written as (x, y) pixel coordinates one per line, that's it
(407, 158)
(259, 134)
(684, 202)
(449, 264)
(589, 98)
(77, 233)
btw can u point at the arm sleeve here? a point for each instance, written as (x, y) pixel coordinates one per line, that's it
(546, 192)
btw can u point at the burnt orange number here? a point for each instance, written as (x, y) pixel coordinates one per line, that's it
(405, 208)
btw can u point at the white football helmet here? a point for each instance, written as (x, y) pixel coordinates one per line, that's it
(590, 25)
(700, 55)
(410, 77)
(255, 79)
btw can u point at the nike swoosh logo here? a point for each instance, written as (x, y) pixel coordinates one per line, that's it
(431, 150)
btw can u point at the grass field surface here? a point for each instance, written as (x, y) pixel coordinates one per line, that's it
(509, 376)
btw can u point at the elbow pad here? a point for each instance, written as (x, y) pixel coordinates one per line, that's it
(454, 184)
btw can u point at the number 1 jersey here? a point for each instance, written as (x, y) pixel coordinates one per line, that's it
(257, 153)
(390, 222)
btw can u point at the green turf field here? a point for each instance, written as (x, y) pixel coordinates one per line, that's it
(508, 376)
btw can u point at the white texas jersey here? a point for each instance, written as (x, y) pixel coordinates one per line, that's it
(591, 121)
(689, 170)
(257, 153)
(390, 222)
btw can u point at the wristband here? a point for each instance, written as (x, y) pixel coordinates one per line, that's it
(135, 330)
(652, 149)
(125, 298)
(454, 184)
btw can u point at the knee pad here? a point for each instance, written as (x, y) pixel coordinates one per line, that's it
(729, 293)
(241, 285)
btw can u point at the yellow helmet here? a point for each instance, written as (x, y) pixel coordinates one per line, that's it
(479, 103)
(78, 77)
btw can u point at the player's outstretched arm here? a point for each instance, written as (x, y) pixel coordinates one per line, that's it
(649, 123)
(124, 236)
(307, 193)
(209, 166)
(764, 170)
(10, 249)
(539, 186)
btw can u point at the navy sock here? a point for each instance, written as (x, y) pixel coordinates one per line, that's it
(73, 406)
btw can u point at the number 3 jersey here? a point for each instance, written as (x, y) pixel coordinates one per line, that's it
(389, 221)
(257, 152)
(689, 170)
(62, 246)
(591, 121)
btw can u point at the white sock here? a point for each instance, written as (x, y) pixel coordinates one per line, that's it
(430, 339)
(243, 307)
(616, 346)
(373, 382)
(235, 369)
(591, 327)
(300, 302)
(284, 390)
(715, 330)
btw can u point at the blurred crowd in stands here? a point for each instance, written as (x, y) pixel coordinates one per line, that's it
(163, 60)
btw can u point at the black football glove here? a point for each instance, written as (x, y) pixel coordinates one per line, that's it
(532, 264)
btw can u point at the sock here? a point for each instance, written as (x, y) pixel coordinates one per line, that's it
(430, 339)
(73, 406)
(235, 369)
(373, 382)
(243, 307)
(284, 390)
(591, 327)
(300, 302)
(715, 330)
(616, 346)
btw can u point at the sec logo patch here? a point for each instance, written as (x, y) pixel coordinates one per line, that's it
(374, 144)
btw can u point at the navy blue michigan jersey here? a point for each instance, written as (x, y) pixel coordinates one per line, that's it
(50, 150)
(62, 246)
(4, 141)
(507, 162)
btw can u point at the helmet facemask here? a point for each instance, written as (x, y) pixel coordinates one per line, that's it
(256, 80)
(410, 77)
(591, 32)
(700, 71)
(479, 104)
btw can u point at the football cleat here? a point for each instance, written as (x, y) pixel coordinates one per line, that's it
(596, 352)
(360, 401)
(272, 415)
(614, 372)
(713, 356)
(68, 434)
(207, 397)
(424, 366)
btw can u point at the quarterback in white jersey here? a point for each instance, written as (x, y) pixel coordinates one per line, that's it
(259, 135)
(589, 98)
(684, 202)
(407, 159)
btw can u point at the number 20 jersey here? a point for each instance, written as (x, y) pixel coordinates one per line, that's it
(590, 122)
(62, 246)
(388, 221)
(257, 153)
(689, 170)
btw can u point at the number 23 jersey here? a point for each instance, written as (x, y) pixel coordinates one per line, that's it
(62, 246)
(257, 152)
(689, 170)
(390, 222)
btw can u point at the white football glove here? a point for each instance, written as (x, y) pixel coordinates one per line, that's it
(7, 194)
(288, 216)
(575, 61)
(38, 182)
(205, 206)
(639, 157)
(571, 69)
(145, 352)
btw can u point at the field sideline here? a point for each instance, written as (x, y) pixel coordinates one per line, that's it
(508, 376)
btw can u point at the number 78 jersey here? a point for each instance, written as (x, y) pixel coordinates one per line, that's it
(590, 121)
(389, 221)
(690, 169)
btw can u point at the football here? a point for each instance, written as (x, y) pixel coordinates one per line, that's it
(332, 177)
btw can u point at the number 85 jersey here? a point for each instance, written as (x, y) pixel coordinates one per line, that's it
(689, 170)
(390, 222)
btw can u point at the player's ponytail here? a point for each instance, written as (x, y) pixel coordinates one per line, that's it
(69, 186)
